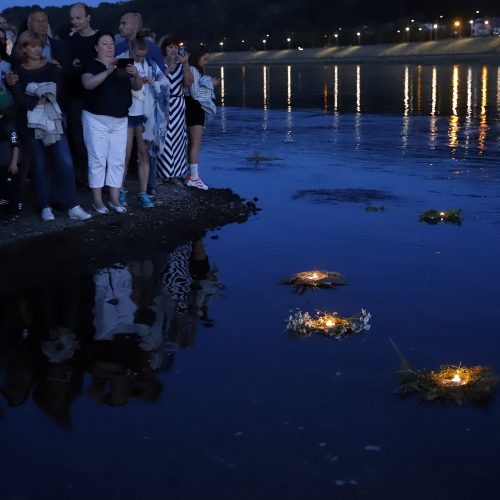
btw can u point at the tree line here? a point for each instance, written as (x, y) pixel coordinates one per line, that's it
(243, 25)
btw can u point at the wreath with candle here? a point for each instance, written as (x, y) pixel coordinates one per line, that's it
(302, 324)
(436, 216)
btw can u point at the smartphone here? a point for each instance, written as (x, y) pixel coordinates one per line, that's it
(182, 51)
(124, 62)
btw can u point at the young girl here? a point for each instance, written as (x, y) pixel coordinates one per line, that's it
(199, 97)
(149, 72)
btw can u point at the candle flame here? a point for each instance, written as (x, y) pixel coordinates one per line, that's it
(330, 322)
(456, 378)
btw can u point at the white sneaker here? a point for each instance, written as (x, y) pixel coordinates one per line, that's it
(197, 183)
(78, 213)
(47, 214)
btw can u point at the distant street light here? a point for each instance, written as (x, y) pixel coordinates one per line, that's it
(471, 22)
(336, 35)
(436, 31)
(289, 41)
(264, 41)
(407, 29)
(221, 46)
(456, 24)
(359, 37)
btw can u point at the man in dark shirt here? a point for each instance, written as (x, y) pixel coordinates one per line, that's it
(80, 42)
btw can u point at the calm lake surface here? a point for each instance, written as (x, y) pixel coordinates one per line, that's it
(215, 399)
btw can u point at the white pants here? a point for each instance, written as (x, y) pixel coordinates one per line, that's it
(106, 141)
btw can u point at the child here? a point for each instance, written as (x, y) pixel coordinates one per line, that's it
(10, 179)
(139, 114)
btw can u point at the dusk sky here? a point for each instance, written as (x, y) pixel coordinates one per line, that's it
(46, 3)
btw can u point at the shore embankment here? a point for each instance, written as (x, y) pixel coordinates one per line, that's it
(32, 251)
(451, 50)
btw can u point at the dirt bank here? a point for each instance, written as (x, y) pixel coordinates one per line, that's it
(65, 248)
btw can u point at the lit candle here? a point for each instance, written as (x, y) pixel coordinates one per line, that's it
(330, 323)
(456, 379)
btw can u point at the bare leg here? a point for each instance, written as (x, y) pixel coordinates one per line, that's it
(130, 143)
(143, 157)
(97, 195)
(114, 194)
(195, 137)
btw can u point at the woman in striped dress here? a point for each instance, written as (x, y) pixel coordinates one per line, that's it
(172, 157)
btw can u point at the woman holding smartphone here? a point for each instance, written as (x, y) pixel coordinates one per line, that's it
(172, 155)
(198, 96)
(105, 120)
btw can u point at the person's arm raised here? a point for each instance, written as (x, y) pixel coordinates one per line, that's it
(90, 81)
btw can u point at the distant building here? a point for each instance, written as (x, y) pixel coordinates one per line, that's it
(486, 26)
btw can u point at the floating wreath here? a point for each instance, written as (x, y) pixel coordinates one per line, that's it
(314, 279)
(257, 157)
(458, 384)
(372, 208)
(435, 216)
(302, 324)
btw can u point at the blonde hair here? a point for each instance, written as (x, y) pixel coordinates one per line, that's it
(25, 38)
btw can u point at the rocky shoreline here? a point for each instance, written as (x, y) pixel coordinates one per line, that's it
(63, 248)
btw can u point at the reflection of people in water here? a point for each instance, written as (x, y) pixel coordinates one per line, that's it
(186, 278)
(49, 337)
(42, 332)
(128, 343)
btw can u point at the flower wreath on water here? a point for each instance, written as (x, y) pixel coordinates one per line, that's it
(458, 384)
(314, 279)
(302, 324)
(435, 216)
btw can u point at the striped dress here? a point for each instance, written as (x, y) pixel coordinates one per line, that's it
(172, 159)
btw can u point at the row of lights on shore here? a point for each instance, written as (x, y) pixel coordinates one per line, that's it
(456, 24)
(288, 41)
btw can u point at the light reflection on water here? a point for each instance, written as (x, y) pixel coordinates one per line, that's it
(483, 121)
(459, 91)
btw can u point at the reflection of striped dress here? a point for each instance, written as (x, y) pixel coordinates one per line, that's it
(175, 280)
(172, 160)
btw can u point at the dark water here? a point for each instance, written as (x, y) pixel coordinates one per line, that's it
(206, 396)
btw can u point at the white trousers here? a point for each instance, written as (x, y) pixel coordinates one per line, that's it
(106, 141)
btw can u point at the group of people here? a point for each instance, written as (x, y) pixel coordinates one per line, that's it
(72, 108)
